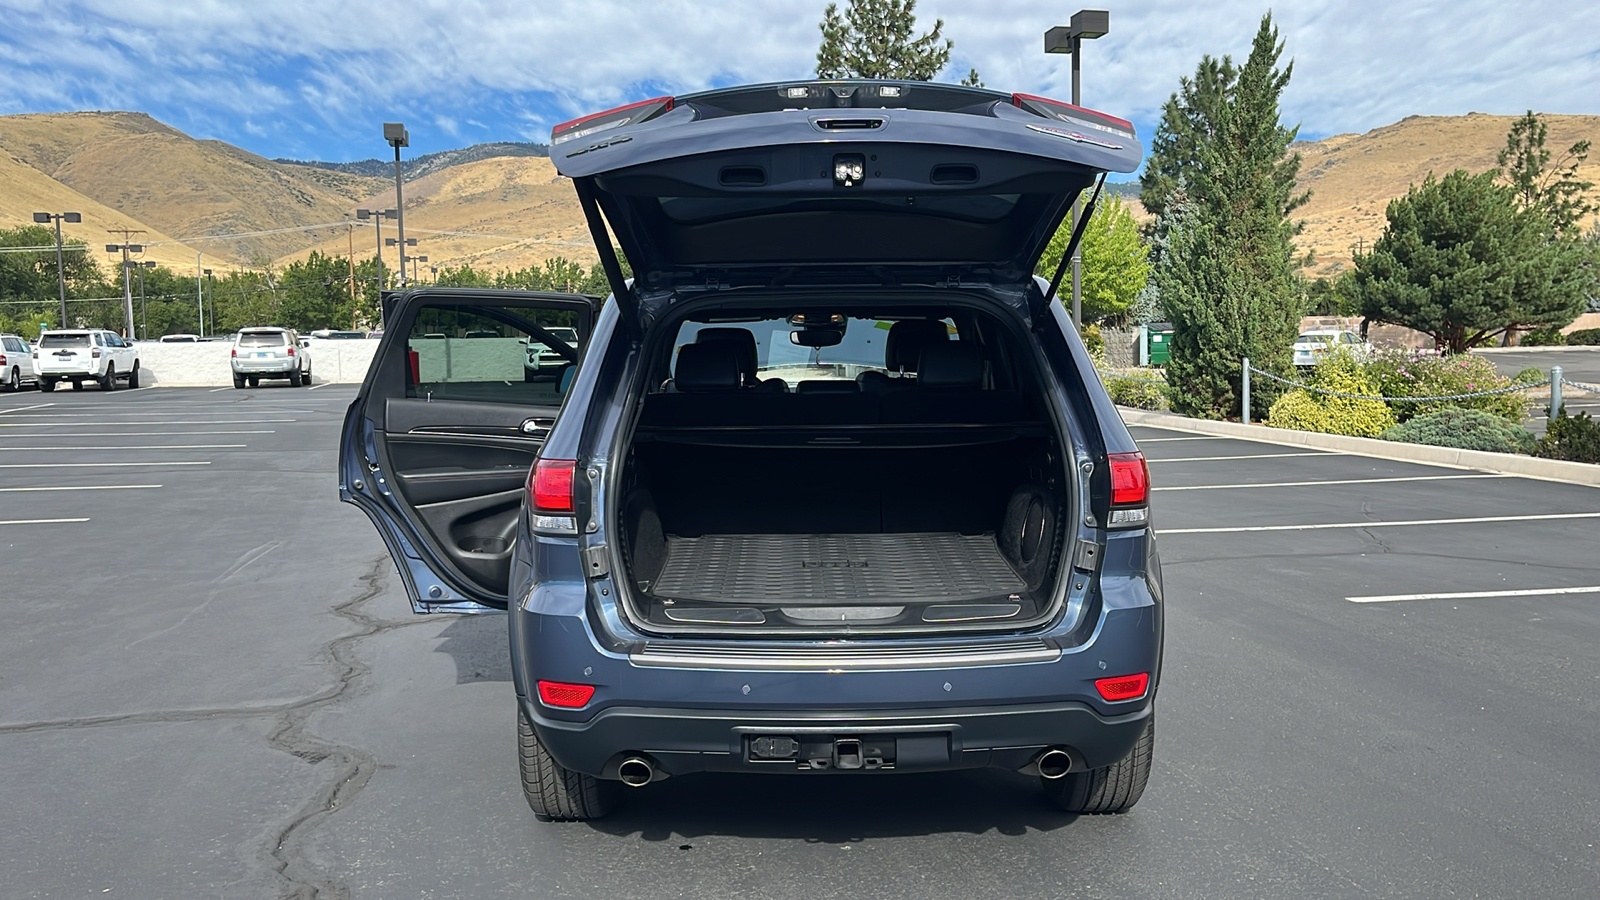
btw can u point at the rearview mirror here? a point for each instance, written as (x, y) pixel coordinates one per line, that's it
(816, 337)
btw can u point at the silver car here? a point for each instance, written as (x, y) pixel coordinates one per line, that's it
(270, 353)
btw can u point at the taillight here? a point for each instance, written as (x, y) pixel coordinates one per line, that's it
(611, 118)
(550, 485)
(1130, 489)
(1121, 687)
(95, 353)
(565, 696)
(291, 350)
(2, 359)
(234, 352)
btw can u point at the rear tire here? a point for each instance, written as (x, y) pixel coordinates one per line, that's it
(1111, 789)
(254, 382)
(14, 383)
(238, 381)
(47, 384)
(555, 792)
(108, 381)
(133, 377)
(306, 378)
(294, 378)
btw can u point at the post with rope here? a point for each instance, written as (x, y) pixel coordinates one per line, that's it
(1244, 405)
(1555, 391)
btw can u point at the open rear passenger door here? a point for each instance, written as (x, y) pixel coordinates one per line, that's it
(437, 446)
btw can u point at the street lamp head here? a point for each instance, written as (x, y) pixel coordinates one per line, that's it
(1090, 23)
(149, 264)
(42, 218)
(390, 213)
(395, 134)
(135, 248)
(73, 218)
(363, 214)
(1058, 40)
(113, 248)
(207, 272)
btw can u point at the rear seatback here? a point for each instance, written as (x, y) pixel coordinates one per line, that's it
(709, 390)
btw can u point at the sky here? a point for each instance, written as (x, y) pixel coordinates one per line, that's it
(316, 80)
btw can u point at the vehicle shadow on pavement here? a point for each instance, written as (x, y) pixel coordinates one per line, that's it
(834, 809)
(478, 646)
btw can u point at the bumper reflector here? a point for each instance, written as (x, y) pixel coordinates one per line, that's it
(564, 696)
(1120, 687)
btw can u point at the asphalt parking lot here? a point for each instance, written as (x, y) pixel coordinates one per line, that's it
(1582, 366)
(211, 685)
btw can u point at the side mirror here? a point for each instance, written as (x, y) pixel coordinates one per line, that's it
(306, 345)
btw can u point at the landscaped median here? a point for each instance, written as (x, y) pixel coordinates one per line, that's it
(1500, 463)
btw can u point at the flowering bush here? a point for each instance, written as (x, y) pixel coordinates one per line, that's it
(1419, 373)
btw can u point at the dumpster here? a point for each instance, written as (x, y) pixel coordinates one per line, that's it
(1158, 349)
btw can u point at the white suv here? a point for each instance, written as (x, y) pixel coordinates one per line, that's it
(85, 354)
(270, 353)
(16, 363)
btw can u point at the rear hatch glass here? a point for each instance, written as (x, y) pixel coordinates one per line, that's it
(52, 341)
(263, 339)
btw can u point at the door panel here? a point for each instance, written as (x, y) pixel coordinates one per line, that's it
(437, 446)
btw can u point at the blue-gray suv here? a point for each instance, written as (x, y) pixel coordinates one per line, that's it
(827, 486)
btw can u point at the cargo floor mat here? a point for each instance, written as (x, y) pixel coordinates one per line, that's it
(820, 569)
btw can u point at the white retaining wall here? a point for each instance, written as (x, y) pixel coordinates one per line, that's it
(206, 363)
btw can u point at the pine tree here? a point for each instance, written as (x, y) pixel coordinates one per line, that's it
(1461, 261)
(1554, 190)
(1188, 123)
(1229, 281)
(874, 39)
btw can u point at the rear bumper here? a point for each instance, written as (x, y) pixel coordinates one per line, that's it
(264, 368)
(52, 372)
(682, 741)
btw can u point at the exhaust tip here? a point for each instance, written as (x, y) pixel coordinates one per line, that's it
(636, 771)
(1054, 764)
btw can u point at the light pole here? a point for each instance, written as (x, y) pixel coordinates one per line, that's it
(408, 242)
(416, 268)
(144, 318)
(61, 268)
(377, 216)
(1086, 24)
(127, 275)
(395, 134)
(212, 294)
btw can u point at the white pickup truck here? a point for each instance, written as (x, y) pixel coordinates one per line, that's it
(85, 354)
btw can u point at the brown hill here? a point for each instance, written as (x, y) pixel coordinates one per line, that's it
(495, 214)
(25, 190)
(1352, 177)
(158, 176)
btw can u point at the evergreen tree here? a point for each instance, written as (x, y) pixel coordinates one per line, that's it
(1461, 261)
(1116, 261)
(1553, 190)
(874, 39)
(1188, 122)
(1229, 283)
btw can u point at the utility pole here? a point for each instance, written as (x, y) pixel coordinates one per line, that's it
(127, 276)
(61, 268)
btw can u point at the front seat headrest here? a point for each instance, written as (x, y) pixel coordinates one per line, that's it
(707, 367)
(740, 337)
(951, 366)
(907, 337)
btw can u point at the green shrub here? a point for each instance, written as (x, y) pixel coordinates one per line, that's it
(1574, 438)
(1417, 373)
(1530, 375)
(1305, 410)
(1543, 337)
(1588, 337)
(1137, 392)
(1093, 341)
(1463, 429)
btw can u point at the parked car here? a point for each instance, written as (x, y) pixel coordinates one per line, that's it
(328, 334)
(81, 355)
(270, 353)
(1312, 346)
(180, 338)
(16, 363)
(943, 561)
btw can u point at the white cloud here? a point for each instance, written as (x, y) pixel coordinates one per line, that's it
(318, 76)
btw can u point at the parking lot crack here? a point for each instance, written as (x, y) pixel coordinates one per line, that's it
(349, 768)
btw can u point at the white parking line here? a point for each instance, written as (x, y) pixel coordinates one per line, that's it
(1280, 484)
(97, 465)
(102, 422)
(21, 408)
(123, 434)
(214, 390)
(1476, 595)
(1325, 525)
(1246, 456)
(82, 487)
(135, 447)
(40, 521)
(318, 387)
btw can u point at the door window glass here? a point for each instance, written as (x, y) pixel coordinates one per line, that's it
(506, 354)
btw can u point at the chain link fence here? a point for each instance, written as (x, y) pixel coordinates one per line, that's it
(1554, 382)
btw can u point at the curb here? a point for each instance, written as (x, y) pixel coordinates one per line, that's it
(1478, 460)
(1563, 348)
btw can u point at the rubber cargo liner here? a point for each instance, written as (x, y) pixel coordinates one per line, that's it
(834, 569)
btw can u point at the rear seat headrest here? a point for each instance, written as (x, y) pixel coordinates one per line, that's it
(739, 337)
(950, 366)
(827, 386)
(707, 367)
(906, 339)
